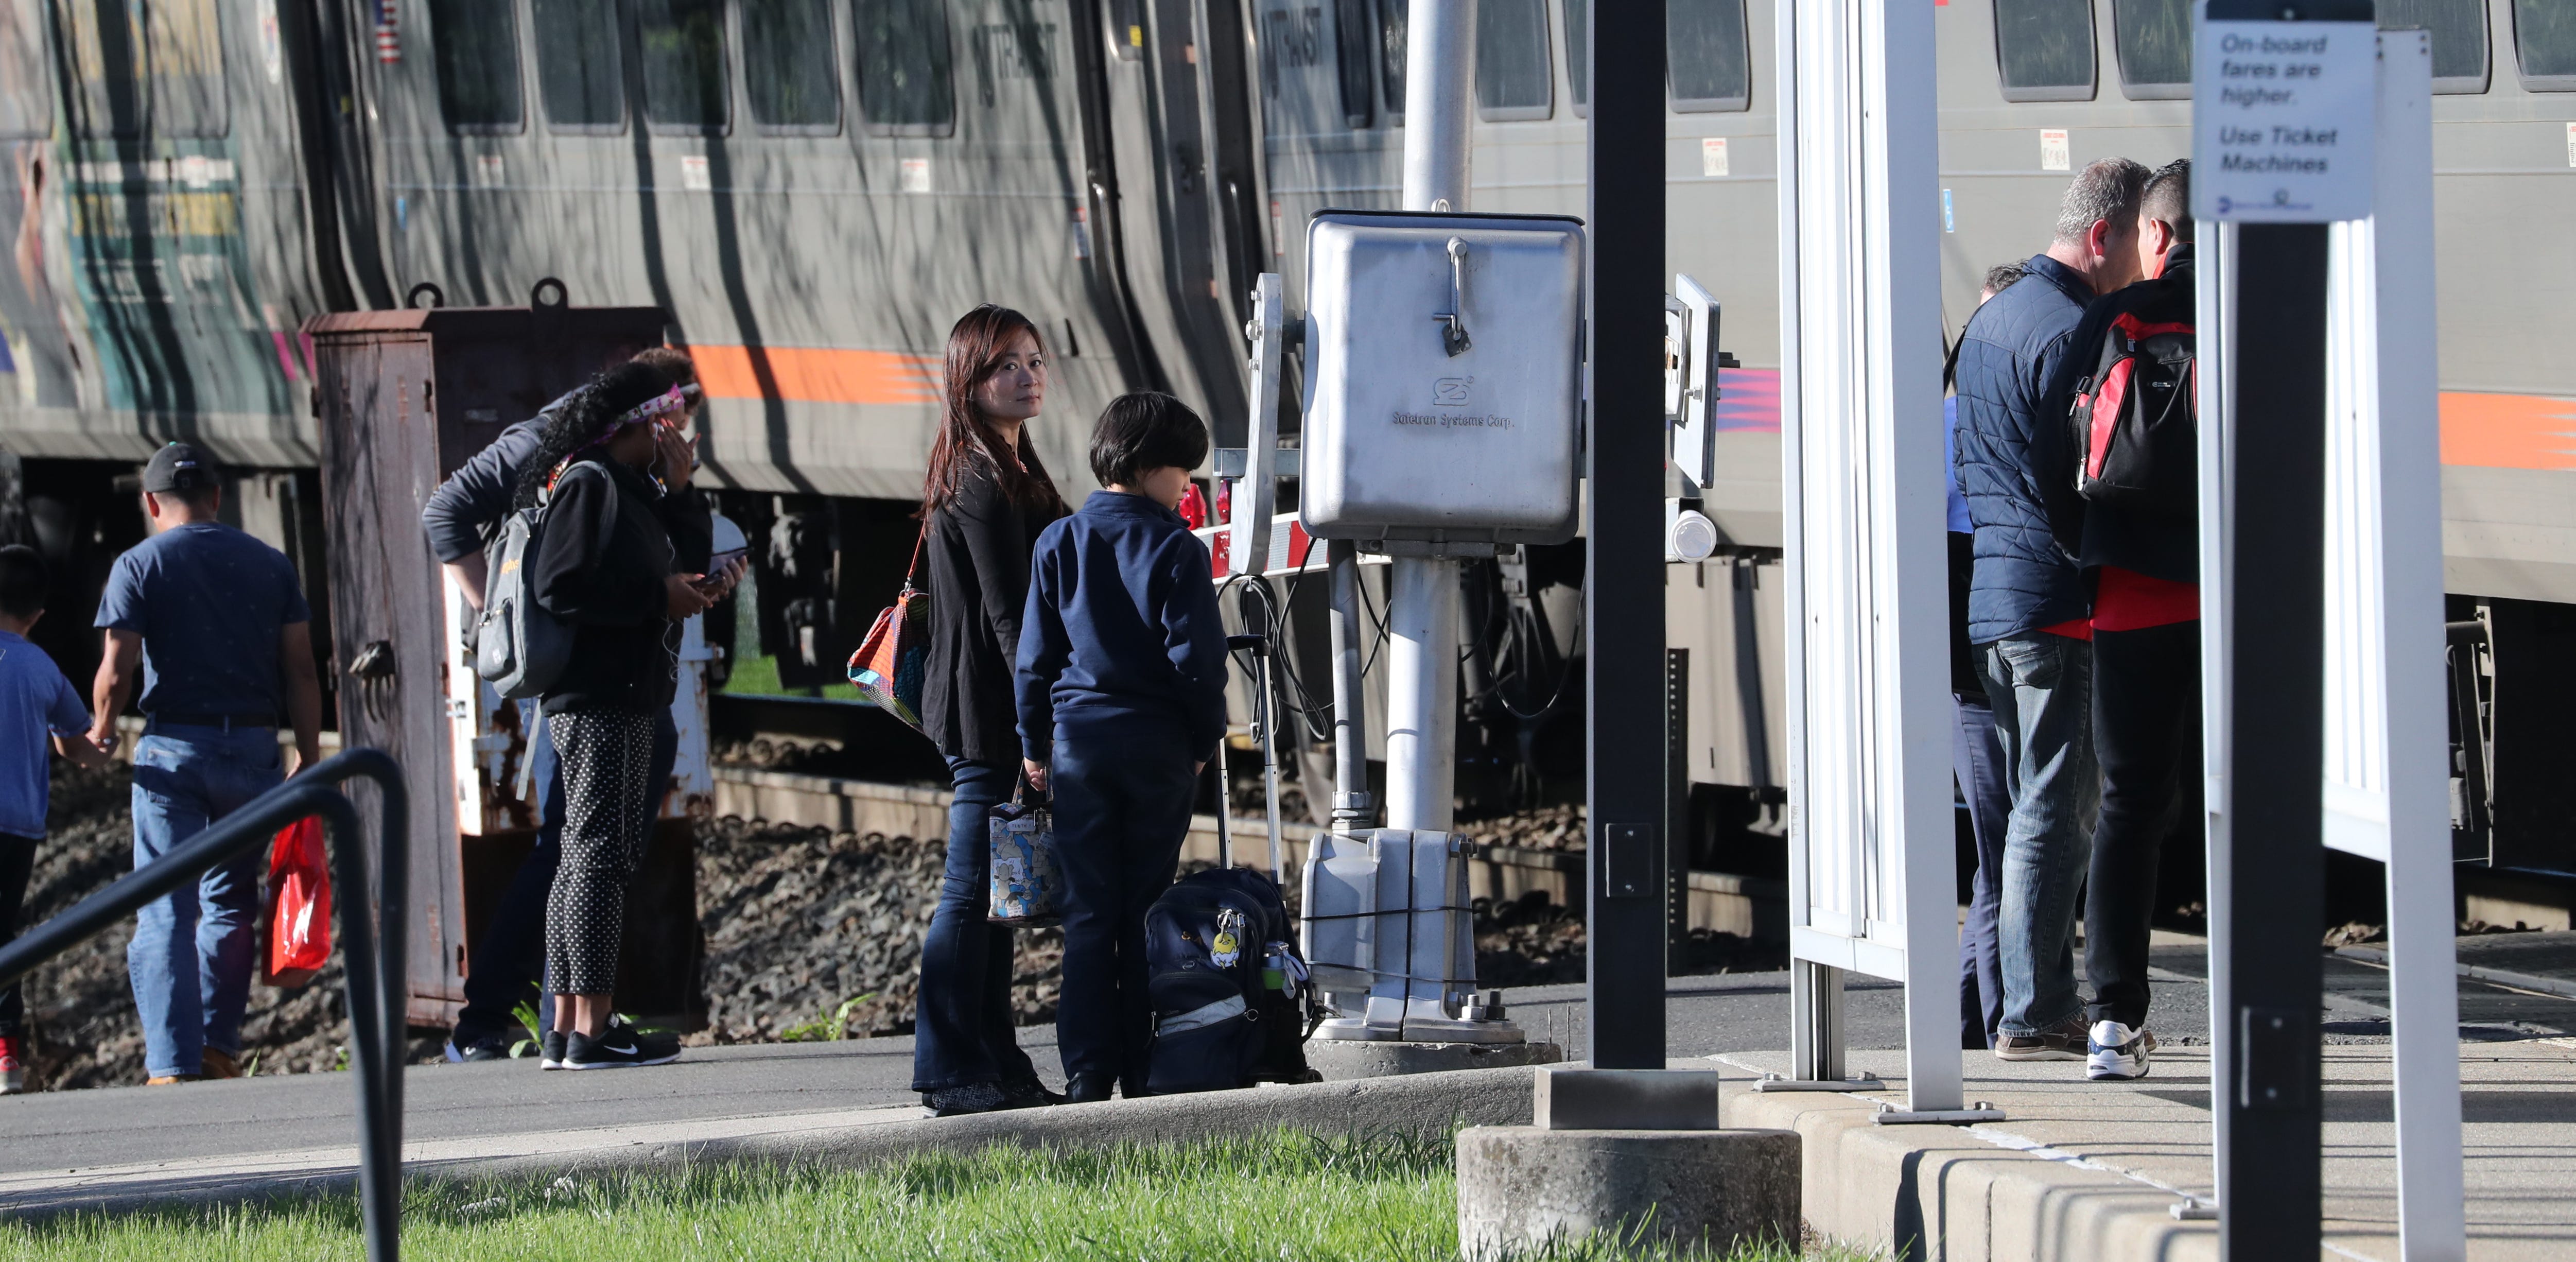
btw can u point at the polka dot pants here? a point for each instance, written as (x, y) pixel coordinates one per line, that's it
(606, 756)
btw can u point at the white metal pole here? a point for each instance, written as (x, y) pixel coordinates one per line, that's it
(2215, 318)
(2423, 983)
(1439, 74)
(1422, 693)
(1901, 143)
(1815, 990)
(1422, 601)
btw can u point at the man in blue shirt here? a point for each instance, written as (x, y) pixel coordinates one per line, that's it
(38, 707)
(2027, 605)
(219, 625)
(1121, 683)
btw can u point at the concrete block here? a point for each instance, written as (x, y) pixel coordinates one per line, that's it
(1346, 1061)
(1579, 1097)
(1523, 1188)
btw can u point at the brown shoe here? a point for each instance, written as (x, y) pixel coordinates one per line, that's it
(174, 1078)
(2062, 1041)
(220, 1064)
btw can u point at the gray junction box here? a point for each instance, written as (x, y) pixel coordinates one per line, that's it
(1445, 378)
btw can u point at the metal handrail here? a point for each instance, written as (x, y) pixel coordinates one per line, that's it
(373, 953)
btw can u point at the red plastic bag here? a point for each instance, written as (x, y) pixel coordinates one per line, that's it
(299, 905)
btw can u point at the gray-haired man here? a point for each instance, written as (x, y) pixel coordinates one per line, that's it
(2027, 607)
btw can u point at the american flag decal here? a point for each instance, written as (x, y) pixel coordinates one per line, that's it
(388, 32)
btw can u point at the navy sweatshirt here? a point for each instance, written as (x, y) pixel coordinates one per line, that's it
(1121, 636)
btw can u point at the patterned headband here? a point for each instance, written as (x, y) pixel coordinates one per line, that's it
(675, 399)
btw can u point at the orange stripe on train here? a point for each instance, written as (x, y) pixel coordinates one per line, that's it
(2508, 431)
(816, 374)
(2511, 431)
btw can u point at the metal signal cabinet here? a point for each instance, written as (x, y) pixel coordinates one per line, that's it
(1445, 369)
(401, 399)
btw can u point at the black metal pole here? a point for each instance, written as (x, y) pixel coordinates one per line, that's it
(371, 944)
(1623, 604)
(2272, 1202)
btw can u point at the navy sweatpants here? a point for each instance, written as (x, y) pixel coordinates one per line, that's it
(1122, 808)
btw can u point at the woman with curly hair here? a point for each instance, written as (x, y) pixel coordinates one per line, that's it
(982, 506)
(617, 517)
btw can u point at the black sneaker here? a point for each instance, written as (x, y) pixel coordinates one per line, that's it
(551, 1052)
(1031, 1094)
(476, 1050)
(619, 1046)
(974, 1097)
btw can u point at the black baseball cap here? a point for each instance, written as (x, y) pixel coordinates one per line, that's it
(178, 467)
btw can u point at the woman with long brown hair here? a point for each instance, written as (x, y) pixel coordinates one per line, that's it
(982, 506)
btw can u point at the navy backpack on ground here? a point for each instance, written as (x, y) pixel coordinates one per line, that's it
(1228, 984)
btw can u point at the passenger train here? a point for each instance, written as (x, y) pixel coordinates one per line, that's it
(813, 189)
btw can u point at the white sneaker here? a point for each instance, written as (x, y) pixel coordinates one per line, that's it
(2118, 1051)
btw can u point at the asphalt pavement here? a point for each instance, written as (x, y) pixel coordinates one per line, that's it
(1706, 1016)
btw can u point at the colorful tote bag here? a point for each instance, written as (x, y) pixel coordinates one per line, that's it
(890, 664)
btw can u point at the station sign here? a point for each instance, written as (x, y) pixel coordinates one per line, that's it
(2283, 110)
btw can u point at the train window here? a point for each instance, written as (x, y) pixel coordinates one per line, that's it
(684, 64)
(476, 45)
(2459, 30)
(1706, 56)
(787, 60)
(1390, 55)
(26, 110)
(178, 61)
(1127, 28)
(1578, 52)
(2544, 41)
(2154, 42)
(1352, 35)
(578, 65)
(2045, 49)
(1511, 61)
(904, 61)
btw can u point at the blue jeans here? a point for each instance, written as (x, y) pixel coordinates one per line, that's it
(191, 956)
(963, 1032)
(1976, 759)
(1122, 808)
(2041, 689)
(512, 952)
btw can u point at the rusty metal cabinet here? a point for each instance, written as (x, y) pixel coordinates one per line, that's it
(402, 399)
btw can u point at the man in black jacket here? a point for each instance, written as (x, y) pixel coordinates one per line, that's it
(2026, 604)
(2145, 568)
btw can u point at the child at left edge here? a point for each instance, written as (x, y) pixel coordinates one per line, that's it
(36, 703)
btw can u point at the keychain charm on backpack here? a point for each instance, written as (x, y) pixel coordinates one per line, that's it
(1228, 946)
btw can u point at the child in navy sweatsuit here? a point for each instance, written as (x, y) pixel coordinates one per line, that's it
(1121, 690)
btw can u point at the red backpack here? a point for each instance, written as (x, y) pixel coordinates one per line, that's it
(2136, 414)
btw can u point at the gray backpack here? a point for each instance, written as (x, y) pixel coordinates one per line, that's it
(520, 648)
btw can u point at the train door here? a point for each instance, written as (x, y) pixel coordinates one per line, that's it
(1164, 138)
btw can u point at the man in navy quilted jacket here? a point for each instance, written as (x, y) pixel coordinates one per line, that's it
(2028, 611)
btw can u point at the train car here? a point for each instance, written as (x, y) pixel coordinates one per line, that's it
(813, 189)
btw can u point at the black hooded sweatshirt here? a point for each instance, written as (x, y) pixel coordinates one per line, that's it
(611, 540)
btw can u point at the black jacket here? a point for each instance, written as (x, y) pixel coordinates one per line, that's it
(609, 544)
(2011, 456)
(2098, 534)
(978, 573)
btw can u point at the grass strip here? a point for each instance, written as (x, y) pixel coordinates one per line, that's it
(1388, 1197)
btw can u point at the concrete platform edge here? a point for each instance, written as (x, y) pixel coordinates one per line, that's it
(1949, 1194)
(1441, 1101)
